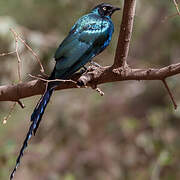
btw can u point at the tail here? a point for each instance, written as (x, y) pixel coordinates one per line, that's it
(35, 119)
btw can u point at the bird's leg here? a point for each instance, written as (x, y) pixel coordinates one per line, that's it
(95, 64)
(85, 68)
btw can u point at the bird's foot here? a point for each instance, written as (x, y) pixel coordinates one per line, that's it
(82, 71)
(85, 68)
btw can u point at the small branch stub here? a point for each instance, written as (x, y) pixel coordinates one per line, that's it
(21, 104)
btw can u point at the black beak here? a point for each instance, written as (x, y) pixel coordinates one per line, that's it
(115, 9)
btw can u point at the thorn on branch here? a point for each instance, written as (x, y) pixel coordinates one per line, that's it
(170, 94)
(93, 86)
(100, 91)
(21, 104)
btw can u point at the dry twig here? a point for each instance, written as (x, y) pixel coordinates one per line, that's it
(29, 48)
(8, 53)
(176, 6)
(173, 15)
(18, 56)
(170, 94)
(54, 80)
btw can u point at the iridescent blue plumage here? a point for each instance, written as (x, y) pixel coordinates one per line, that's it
(90, 35)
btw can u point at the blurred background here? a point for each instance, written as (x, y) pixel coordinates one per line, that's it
(132, 132)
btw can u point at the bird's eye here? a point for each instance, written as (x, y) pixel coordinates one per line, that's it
(104, 8)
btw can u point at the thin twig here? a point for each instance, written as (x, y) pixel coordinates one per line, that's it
(170, 94)
(29, 48)
(19, 76)
(176, 6)
(18, 56)
(54, 80)
(173, 15)
(9, 114)
(169, 17)
(8, 53)
(61, 80)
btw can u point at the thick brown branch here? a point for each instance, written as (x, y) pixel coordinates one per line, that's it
(125, 33)
(92, 78)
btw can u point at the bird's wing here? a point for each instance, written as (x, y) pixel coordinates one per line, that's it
(85, 34)
(88, 37)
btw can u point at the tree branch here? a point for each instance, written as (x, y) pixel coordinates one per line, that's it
(125, 33)
(92, 78)
(176, 6)
(170, 94)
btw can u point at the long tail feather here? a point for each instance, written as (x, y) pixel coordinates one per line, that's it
(35, 119)
(40, 108)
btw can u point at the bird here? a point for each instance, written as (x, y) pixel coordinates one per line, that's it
(88, 37)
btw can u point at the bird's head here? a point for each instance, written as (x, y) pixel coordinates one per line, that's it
(105, 9)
